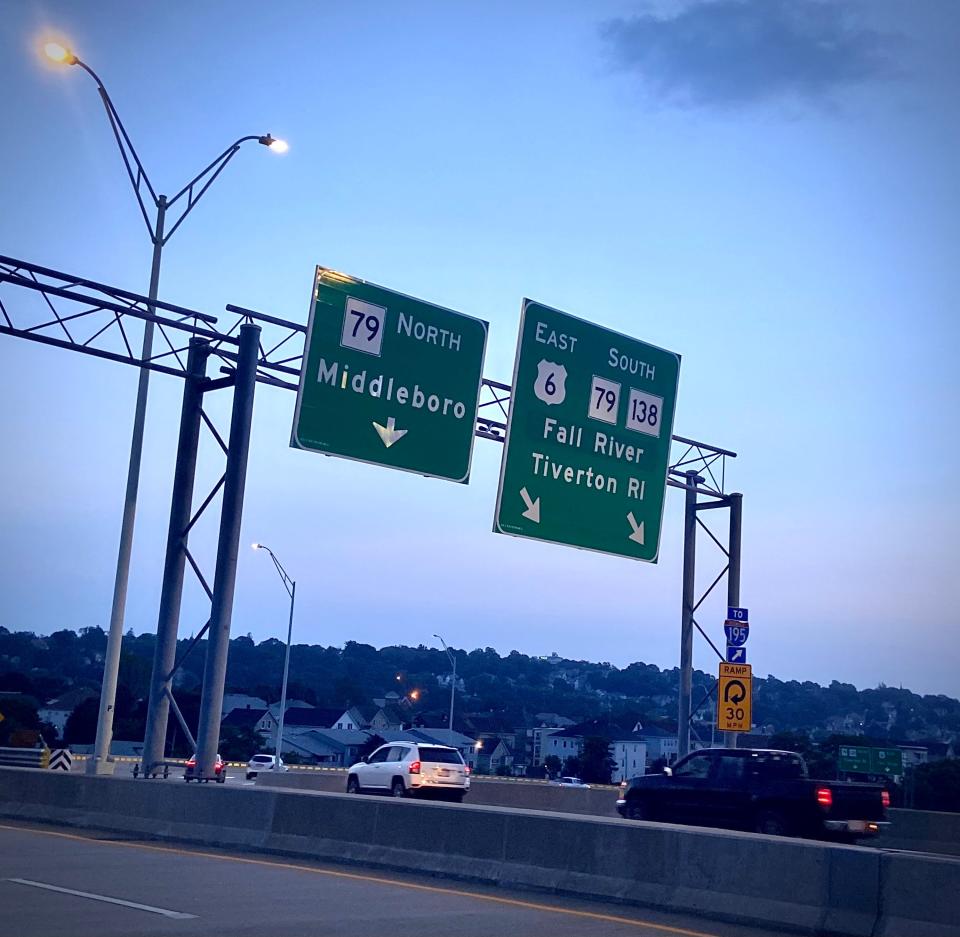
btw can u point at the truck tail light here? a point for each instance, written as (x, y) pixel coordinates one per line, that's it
(824, 797)
(885, 798)
(414, 767)
(466, 769)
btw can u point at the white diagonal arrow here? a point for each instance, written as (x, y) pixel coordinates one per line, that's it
(533, 506)
(389, 434)
(637, 535)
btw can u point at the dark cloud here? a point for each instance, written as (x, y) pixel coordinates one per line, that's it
(740, 52)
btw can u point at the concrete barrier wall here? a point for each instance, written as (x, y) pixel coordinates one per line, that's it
(527, 795)
(917, 830)
(924, 831)
(809, 887)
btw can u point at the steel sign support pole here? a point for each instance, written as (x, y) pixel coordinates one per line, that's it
(171, 592)
(111, 662)
(686, 616)
(735, 501)
(225, 577)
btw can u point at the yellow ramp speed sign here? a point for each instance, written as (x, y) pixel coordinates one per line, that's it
(734, 698)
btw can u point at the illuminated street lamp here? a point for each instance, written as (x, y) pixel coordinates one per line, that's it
(291, 588)
(61, 54)
(453, 679)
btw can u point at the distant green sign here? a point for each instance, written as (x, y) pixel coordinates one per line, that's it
(854, 758)
(388, 379)
(588, 438)
(858, 759)
(887, 761)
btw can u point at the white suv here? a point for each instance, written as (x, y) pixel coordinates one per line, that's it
(406, 768)
(263, 763)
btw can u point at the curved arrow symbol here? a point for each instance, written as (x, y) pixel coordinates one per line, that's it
(729, 695)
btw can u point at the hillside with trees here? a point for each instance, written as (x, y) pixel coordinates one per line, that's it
(513, 687)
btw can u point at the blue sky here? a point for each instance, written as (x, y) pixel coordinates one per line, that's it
(768, 189)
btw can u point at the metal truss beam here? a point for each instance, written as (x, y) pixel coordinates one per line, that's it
(54, 308)
(100, 323)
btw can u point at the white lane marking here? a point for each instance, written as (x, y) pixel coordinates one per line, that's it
(176, 915)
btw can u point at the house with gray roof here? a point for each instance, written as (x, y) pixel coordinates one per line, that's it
(328, 747)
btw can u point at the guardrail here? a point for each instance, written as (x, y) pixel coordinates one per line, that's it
(25, 757)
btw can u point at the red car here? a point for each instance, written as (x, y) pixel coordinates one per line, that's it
(219, 770)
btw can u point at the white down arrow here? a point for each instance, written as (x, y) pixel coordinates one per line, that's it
(389, 434)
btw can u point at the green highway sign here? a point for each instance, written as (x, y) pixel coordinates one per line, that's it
(588, 438)
(388, 379)
(854, 758)
(887, 761)
(858, 759)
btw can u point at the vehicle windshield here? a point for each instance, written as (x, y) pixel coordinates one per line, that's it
(265, 759)
(444, 756)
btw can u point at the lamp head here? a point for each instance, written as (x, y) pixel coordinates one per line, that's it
(257, 546)
(59, 53)
(278, 146)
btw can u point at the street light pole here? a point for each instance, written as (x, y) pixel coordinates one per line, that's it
(453, 679)
(137, 174)
(291, 587)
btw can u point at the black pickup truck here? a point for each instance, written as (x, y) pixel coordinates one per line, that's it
(759, 790)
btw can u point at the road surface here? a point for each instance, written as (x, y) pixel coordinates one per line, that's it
(59, 881)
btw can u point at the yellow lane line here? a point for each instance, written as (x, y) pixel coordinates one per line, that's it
(359, 877)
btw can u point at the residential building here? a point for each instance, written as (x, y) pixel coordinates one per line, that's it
(232, 701)
(315, 718)
(260, 720)
(329, 747)
(57, 711)
(495, 756)
(914, 755)
(291, 704)
(539, 736)
(660, 743)
(565, 743)
(388, 718)
(630, 755)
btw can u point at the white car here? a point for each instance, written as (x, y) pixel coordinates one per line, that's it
(264, 763)
(570, 782)
(404, 769)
